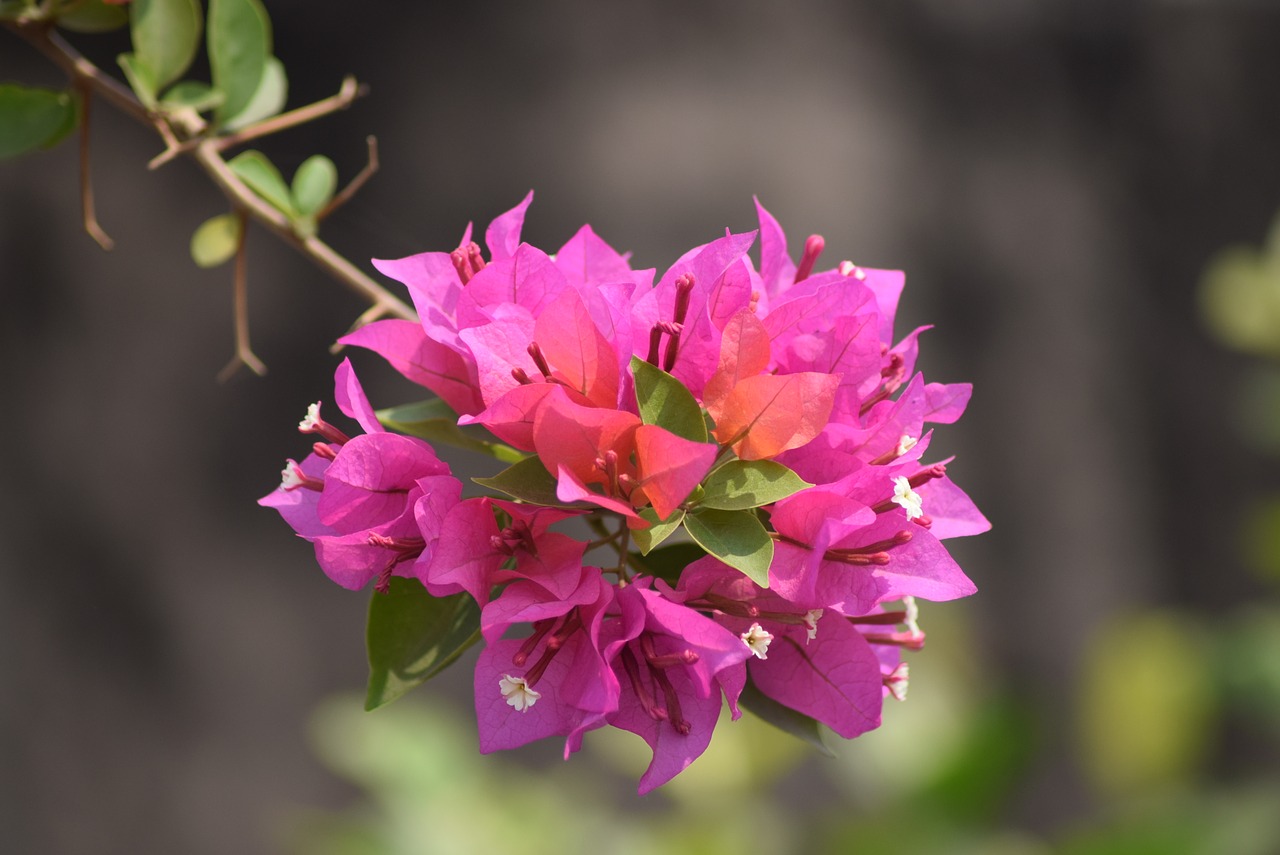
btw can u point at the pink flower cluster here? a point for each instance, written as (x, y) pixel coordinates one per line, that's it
(761, 412)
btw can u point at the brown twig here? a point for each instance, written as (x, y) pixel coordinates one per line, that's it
(206, 152)
(370, 167)
(244, 353)
(349, 92)
(87, 212)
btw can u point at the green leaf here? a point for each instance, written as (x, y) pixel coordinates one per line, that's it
(784, 718)
(529, 481)
(263, 178)
(33, 118)
(93, 16)
(413, 636)
(193, 95)
(314, 183)
(166, 35)
(741, 484)
(668, 562)
(664, 401)
(216, 240)
(239, 47)
(658, 530)
(433, 420)
(268, 99)
(142, 80)
(735, 537)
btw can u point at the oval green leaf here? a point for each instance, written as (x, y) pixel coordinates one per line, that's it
(216, 240)
(267, 100)
(737, 538)
(314, 184)
(142, 80)
(239, 47)
(668, 562)
(664, 401)
(193, 95)
(33, 118)
(255, 170)
(413, 636)
(658, 530)
(93, 16)
(528, 481)
(741, 484)
(434, 421)
(166, 35)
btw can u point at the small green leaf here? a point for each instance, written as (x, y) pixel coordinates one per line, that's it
(668, 562)
(784, 718)
(193, 95)
(142, 80)
(433, 420)
(664, 401)
(93, 16)
(33, 118)
(741, 484)
(166, 35)
(268, 99)
(314, 183)
(239, 47)
(216, 240)
(528, 481)
(413, 636)
(735, 537)
(658, 530)
(263, 178)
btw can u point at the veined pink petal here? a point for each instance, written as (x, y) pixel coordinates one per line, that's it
(428, 363)
(351, 399)
(575, 437)
(585, 259)
(768, 414)
(503, 235)
(744, 352)
(670, 466)
(582, 357)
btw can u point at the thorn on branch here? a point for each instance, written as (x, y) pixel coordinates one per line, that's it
(370, 167)
(87, 212)
(349, 92)
(244, 355)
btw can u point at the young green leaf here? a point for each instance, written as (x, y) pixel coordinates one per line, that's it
(93, 16)
(658, 530)
(239, 47)
(528, 480)
(268, 99)
(216, 240)
(313, 184)
(741, 484)
(735, 537)
(263, 178)
(142, 80)
(433, 420)
(193, 95)
(166, 35)
(664, 401)
(668, 562)
(784, 718)
(413, 636)
(33, 118)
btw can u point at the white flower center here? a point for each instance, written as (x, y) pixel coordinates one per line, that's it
(906, 443)
(913, 614)
(811, 619)
(896, 681)
(312, 420)
(906, 497)
(848, 268)
(757, 639)
(518, 692)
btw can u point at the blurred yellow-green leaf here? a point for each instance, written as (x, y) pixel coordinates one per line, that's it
(92, 16)
(216, 240)
(314, 184)
(1240, 296)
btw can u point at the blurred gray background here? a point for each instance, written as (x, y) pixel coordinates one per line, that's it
(1053, 176)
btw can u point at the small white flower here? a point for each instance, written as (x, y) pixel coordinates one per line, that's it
(913, 614)
(896, 681)
(848, 268)
(312, 420)
(291, 476)
(518, 692)
(757, 640)
(905, 443)
(811, 619)
(906, 497)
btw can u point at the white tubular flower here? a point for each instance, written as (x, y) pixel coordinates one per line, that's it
(757, 639)
(811, 619)
(906, 442)
(518, 692)
(907, 498)
(312, 420)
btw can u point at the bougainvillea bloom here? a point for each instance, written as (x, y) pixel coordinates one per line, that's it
(710, 487)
